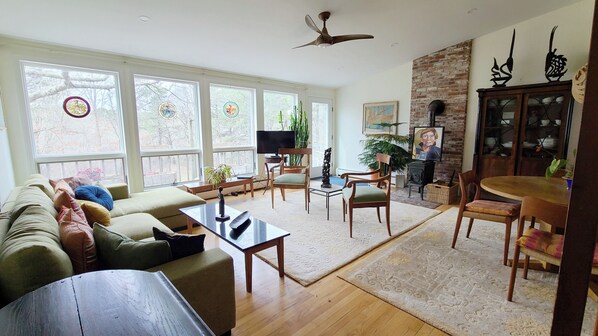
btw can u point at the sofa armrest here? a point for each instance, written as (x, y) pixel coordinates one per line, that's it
(118, 190)
(207, 281)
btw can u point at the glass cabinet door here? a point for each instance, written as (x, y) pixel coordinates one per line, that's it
(499, 127)
(541, 131)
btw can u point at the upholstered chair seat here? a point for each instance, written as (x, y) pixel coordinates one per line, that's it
(365, 194)
(290, 179)
(493, 208)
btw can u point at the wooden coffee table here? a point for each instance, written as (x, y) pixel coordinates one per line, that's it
(249, 239)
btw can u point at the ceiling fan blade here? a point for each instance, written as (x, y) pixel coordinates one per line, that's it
(307, 44)
(311, 24)
(344, 38)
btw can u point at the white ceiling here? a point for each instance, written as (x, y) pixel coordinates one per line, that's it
(256, 37)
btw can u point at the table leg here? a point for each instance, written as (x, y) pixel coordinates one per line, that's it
(280, 256)
(248, 267)
(251, 186)
(327, 207)
(189, 225)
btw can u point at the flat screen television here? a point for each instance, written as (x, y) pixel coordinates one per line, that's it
(268, 142)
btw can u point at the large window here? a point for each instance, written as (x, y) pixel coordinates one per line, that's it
(168, 122)
(274, 104)
(75, 120)
(233, 127)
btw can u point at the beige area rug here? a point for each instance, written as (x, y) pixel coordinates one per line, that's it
(317, 247)
(462, 291)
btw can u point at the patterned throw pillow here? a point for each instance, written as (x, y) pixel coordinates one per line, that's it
(76, 237)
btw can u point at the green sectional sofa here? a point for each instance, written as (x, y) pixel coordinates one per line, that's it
(31, 254)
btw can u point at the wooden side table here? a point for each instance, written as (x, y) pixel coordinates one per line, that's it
(198, 187)
(114, 302)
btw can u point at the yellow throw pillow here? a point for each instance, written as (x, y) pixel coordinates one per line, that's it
(95, 212)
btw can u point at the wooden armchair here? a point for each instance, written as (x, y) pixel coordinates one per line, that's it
(493, 211)
(292, 177)
(375, 194)
(542, 245)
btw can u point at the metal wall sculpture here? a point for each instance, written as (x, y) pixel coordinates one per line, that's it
(501, 75)
(326, 169)
(555, 64)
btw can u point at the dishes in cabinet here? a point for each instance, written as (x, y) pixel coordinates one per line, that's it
(507, 144)
(529, 145)
(549, 143)
(547, 100)
(545, 122)
(559, 99)
(490, 142)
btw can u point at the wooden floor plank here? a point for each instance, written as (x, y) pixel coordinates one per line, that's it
(330, 306)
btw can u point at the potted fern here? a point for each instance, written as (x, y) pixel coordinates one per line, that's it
(390, 144)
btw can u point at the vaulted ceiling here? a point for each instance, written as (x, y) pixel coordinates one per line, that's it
(256, 38)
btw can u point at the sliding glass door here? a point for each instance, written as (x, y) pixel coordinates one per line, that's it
(321, 136)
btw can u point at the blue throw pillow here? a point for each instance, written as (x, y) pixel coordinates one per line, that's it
(95, 194)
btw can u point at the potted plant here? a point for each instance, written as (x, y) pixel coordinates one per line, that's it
(299, 124)
(390, 144)
(217, 175)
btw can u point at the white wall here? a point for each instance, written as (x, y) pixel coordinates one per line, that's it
(394, 84)
(572, 39)
(7, 181)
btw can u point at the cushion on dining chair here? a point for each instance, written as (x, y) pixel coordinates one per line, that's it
(290, 179)
(365, 194)
(493, 207)
(549, 243)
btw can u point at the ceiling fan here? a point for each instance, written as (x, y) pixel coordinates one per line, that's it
(325, 40)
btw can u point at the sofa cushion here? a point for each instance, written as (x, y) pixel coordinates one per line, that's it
(41, 182)
(63, 199)
(62, 185)
(29, 196)
(95, 194)
(119, 252)
(181, 245)
(31, 255)
(94, 212)
(118, 191)
(136, 226)
(160, 203)
(6, 210)
(76, 237)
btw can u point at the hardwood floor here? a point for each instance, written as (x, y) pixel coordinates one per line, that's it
(331, 306)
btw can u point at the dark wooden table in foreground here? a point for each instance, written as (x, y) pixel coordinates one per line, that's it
(249, 238)
(115, 302)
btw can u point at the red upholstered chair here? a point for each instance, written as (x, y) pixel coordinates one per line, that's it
(494, 211)
(542, 245)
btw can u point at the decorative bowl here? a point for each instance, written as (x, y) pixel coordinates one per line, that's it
(490, 142)
(548, 142)
(545, 122)
(547, 100)
(508, 144)
(559, 99)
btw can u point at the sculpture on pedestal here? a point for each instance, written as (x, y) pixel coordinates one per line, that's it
(222, 216)
(326, 169)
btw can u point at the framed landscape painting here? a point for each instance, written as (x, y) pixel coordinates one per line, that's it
(376, 113)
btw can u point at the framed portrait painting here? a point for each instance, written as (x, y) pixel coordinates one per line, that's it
(375, 114)
(427, 143)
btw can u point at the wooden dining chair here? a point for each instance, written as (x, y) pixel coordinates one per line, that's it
(368, 193)
(542, 245)
(477, 208)
(292, 177)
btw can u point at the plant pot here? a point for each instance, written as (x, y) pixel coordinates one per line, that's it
(569, 182)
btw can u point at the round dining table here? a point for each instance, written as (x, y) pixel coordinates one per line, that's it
(552, 189)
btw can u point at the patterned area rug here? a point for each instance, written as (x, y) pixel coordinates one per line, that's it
(462, 291)
(317, 247)
(397, 194)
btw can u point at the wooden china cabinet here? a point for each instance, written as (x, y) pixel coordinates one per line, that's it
(522, 128)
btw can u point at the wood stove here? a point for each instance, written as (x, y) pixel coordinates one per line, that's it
(420, 174)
